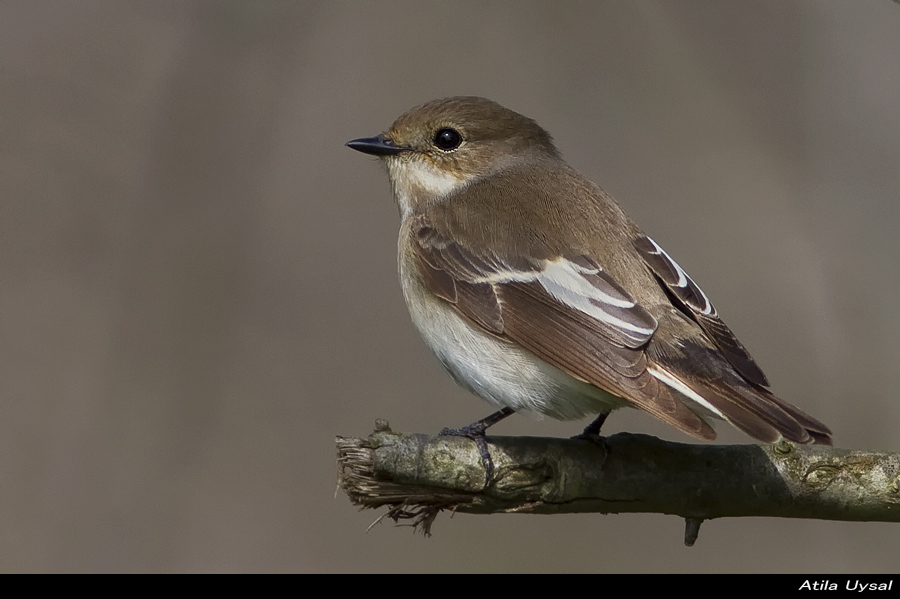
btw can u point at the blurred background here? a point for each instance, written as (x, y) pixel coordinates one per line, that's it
(198, 283)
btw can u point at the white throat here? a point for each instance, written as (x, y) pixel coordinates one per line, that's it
(415, 180)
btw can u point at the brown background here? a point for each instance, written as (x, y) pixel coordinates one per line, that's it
(198, 288)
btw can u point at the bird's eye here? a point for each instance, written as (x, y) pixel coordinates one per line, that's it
(447, 139)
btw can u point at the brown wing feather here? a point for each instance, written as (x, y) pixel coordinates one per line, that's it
(553, 332)
(525, 313)
(694, 302)
(740, 393)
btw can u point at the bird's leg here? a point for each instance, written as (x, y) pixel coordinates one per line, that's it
(592, 431)
(475, 432)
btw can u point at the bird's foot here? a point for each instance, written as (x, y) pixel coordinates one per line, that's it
(475, 432)
(480, 439)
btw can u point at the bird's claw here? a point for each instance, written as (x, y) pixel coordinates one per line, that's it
(476, 434)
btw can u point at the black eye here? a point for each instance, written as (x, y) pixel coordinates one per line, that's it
(447, 139)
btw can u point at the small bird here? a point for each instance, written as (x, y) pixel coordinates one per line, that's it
(537, 293)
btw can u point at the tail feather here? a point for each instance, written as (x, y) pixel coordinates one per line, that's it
(820, 433)
(750, 408)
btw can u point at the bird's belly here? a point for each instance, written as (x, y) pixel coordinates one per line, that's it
(499, 372)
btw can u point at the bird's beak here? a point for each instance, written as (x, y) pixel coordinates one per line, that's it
(378, 145)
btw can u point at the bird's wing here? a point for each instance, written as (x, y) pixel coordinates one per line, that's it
(738, 394)
(691, 298)
(567, 311)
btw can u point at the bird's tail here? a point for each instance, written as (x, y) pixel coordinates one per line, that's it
(748, 407)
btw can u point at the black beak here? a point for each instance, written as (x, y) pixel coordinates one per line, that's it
(378, 145)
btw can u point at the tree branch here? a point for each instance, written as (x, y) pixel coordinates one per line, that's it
(417, 476)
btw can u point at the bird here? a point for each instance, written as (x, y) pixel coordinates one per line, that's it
(537, 293)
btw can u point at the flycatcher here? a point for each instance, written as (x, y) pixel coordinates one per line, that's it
(537, 293)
